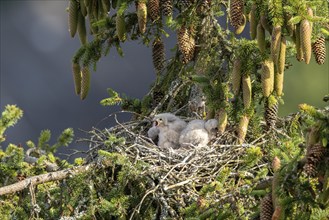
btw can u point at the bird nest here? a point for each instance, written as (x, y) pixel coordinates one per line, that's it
(222, 174)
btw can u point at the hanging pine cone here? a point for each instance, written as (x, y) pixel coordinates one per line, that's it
(222, 120)
(236, 77)
(267, 77)
(85, 82)
(82, 28)
(158, 54)
(253, 21)
(236, 13)
(271, 111)
(266, 208)
(319, 50)
(246, 90)
(314, 155)
(121, 27)
(305, 39)
(142, 16)
(279, 73)
(154, 9)
(83, 8)
(73, 17)
(76, 77)
(299, 50)
(275, 43)
(185, 3)
(203, 7)
(261, 38)
(242, 128)
(186, 44)
(166, 7)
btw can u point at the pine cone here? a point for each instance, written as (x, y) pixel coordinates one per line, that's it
(203, 7)
(76, 77)
(106, 5)
(267, 77)
(73, 17)
(305, 39)
(261, 38)
(299, 50)
(279, 74)
(142, 16)
(222, 120)
(186, 44)
(82, 28)
(185, 3)
(83, 8)
(266, 208)
(166, 7)
(314, 155)
(240, 28)
(85, 82)
(319, 50)
(271, 111)
(236, 13)
(158, 54)
(275, 43)
(253, 22)
(154, 9)
(265, 23)
(121, 27)
(236, 77)
(242, 128)
(246, 91)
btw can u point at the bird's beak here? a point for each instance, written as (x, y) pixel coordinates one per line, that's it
(155, 123)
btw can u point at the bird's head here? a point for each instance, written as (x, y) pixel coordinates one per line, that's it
(211, 126)
(163, 119)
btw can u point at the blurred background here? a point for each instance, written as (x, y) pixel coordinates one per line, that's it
(36, 53)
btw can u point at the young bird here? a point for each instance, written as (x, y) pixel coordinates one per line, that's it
(169, 128)
(198, 133)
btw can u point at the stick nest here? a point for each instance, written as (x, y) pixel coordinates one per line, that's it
(220, 174)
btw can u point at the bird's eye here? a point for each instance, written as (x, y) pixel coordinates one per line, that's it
(160, 119)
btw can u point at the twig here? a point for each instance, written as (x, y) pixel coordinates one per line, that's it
(43, 178)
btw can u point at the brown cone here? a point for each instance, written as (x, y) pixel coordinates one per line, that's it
(186, 44)
(271, 112)
(236, 13)
(314, 156)
(266, 208)
(154, 9)
(166, 7)
(319, 50)
(158, 55)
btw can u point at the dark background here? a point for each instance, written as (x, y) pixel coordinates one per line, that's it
(36, 53)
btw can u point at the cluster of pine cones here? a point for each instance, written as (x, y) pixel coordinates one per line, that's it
(272, 68)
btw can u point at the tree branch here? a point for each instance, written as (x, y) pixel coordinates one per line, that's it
(43, 178)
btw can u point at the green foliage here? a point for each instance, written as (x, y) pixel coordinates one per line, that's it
(9, 117)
